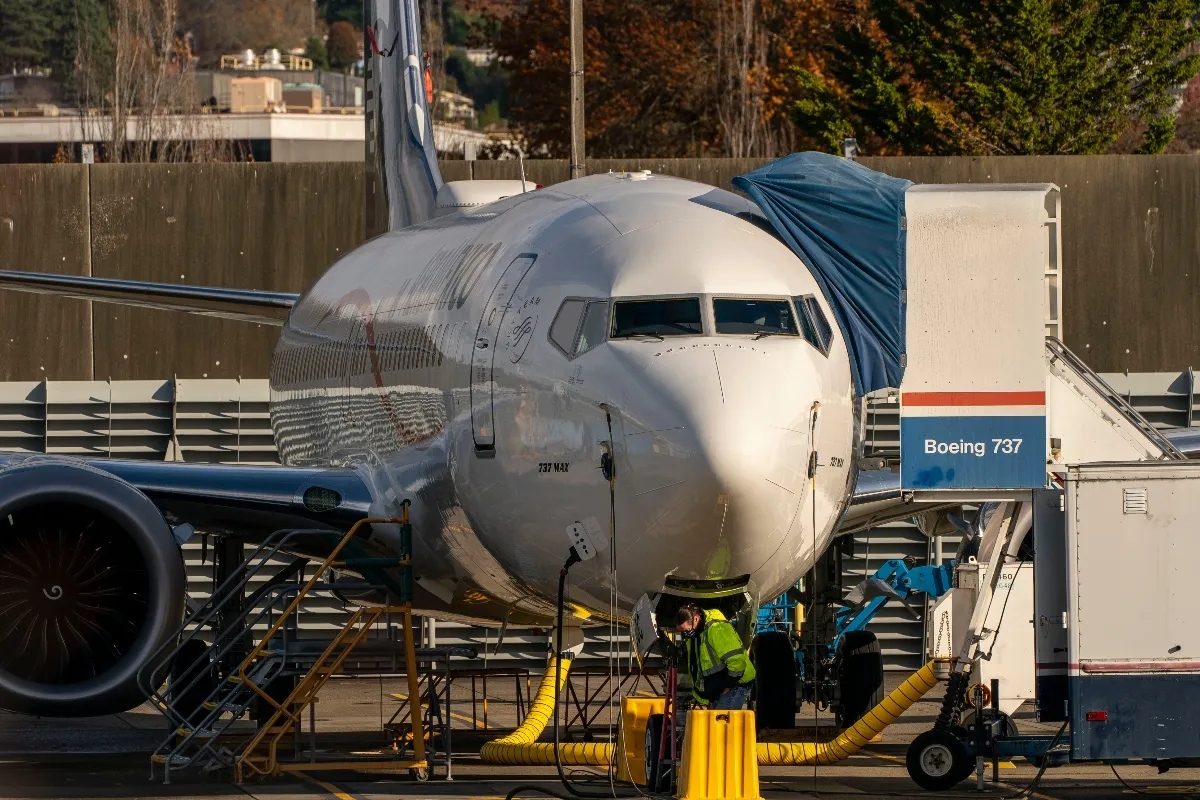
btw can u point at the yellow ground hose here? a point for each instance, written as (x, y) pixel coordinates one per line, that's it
(522, 748)
(851, 740)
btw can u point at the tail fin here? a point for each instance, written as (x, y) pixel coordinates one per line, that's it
(402, 177)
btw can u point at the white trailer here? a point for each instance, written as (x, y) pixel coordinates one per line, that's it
(1133, 642)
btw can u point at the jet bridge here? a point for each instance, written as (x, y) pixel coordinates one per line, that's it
(952, 295)
(996, 411)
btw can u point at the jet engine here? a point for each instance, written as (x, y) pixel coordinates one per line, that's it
(91, 584)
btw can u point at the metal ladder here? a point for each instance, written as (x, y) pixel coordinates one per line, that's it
(206, 697)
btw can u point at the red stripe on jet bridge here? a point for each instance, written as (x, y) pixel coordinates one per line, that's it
(973, 399)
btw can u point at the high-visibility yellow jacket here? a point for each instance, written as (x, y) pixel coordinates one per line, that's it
(716, 647)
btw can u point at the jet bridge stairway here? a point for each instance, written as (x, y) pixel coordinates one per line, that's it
(1090, 421)
(214, 687)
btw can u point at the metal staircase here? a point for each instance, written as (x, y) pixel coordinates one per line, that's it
(214, 687)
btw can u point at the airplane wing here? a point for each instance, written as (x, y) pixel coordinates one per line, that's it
(264, 308)
(233, 499)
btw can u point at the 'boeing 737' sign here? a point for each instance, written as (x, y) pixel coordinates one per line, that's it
(973, 440)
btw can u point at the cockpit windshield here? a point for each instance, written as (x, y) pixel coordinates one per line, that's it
(670, 317)
(743, 315)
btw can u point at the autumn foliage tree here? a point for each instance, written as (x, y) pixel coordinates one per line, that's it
(222, 27)
(343, 45)
(663, 79)
(647, 75)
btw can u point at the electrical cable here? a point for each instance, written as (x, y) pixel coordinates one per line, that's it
(1181, 790)
(813, 462)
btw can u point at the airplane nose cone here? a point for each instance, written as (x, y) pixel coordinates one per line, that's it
(717, 444)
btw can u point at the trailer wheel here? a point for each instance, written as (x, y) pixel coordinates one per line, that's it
(775, 681)
(860, 676)
(938, 760)
(654, 756)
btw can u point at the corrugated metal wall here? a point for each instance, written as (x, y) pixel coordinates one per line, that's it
(227, 421)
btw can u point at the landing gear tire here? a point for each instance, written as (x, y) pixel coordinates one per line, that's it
(860, 676)
(938, 760)
(775, 681)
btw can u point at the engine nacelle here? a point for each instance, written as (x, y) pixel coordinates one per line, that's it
(91, 584)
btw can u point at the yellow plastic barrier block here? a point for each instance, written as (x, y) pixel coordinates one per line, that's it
(720, 758)
(635, 716)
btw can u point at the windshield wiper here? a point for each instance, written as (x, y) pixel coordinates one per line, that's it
(644, 336)
(761, 334)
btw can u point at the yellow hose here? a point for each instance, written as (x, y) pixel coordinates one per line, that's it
(851, 740)
(522, 748)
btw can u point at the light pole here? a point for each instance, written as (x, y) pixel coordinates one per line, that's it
(577, 129)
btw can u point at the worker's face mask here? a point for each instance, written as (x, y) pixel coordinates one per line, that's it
(689, 634)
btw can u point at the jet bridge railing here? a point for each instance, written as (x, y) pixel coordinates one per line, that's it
(1057, 349)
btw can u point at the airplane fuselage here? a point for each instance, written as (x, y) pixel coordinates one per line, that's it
(483, 363)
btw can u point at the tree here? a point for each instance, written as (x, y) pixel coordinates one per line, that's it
(223, 27)
(341, 11)
(1002, 76)
(141, 80)
(76, 25)
(344, 45)
(648, 70)
(315, 49)
(24, 34)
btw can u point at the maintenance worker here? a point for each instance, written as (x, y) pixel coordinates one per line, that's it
(717, 663)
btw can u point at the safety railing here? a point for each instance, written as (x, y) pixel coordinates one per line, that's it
(213, 686)
(1058, 350)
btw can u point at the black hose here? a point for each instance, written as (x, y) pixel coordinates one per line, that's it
(571, 791)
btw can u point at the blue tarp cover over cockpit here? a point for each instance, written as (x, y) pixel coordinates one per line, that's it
(846, 222)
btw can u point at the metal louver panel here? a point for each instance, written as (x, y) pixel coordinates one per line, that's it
(227, 421)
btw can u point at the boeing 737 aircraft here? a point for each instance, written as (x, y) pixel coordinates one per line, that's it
(634, 353)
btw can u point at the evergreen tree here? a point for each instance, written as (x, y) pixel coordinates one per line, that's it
(341, 11)
(77, 25)
(315, 49)
(1003, 76)
(24, 34)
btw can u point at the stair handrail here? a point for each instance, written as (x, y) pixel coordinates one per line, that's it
(318, 573)
(1118, 403)
(187, 731)
(148, 674)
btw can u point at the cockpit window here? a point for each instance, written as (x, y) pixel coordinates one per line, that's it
(813, 324)
(566, 325)
(595, 323)
(674, 317)
(740, 315)
(579, 326)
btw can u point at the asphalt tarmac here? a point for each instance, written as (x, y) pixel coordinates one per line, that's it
(108, 757)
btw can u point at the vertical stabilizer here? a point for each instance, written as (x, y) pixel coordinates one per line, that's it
(402, 177)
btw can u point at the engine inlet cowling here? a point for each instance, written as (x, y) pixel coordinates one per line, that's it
(91, 583)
